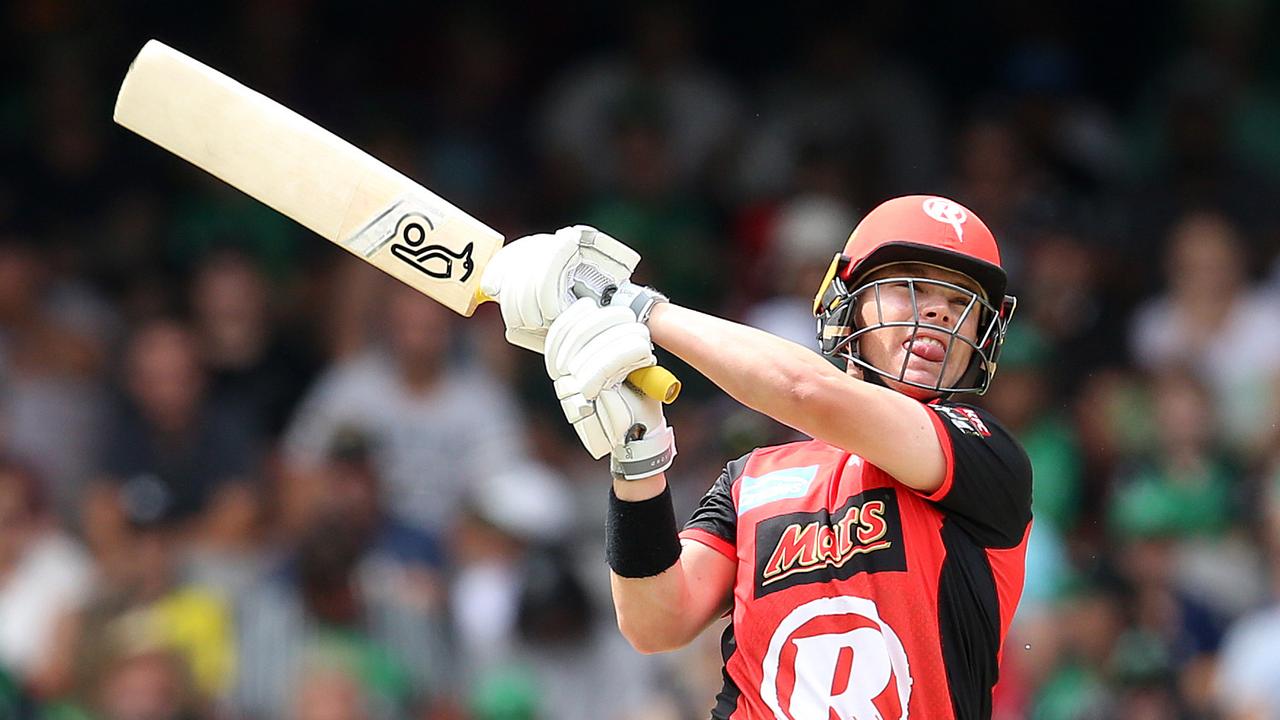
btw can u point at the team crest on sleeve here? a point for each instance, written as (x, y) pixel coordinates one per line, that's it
(965, 420)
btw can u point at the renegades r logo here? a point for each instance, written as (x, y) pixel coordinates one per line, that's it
(863, 535)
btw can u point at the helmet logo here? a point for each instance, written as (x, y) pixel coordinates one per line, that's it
(945, 211)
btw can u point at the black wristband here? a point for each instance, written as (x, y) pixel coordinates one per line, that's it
(641, 539)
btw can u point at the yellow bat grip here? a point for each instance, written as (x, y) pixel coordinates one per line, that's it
(655, 381)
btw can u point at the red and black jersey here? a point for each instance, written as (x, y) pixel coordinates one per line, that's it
(857, 597)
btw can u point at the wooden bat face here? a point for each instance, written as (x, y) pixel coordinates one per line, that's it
(325, 183)
(307, 173)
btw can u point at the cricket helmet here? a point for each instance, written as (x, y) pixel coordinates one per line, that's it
(918, 229)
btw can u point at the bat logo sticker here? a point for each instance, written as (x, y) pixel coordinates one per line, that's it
(437, 261)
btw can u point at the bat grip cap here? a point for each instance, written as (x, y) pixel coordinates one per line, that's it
(657, 382)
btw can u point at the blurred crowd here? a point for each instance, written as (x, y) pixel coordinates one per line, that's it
(244, 477)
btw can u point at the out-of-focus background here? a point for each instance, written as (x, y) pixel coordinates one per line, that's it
(243, 476)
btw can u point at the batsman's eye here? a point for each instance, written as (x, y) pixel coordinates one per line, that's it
(900, 288)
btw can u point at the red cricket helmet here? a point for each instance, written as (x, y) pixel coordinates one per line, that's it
(923, 229)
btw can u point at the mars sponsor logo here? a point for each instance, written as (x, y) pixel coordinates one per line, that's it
(863, 535)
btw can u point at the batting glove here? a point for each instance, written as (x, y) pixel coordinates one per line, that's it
(590, 351)
(637, 298)
(537, 277)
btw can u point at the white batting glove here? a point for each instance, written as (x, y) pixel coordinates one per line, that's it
(589, 353)
(643, 444)
(639, 299)
(537, 277)
(590, 348)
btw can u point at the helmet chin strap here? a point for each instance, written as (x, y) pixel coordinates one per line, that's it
(875, 377)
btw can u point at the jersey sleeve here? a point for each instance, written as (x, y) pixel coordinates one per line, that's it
(987, 488)
(715, 521)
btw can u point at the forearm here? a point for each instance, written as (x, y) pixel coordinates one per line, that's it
(651, 611)
(762, 371)
(666, 611)
(800, 389)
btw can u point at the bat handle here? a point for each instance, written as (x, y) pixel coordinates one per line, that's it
(655, 381)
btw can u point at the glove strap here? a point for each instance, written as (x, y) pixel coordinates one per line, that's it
(639, 298)
(646, 457)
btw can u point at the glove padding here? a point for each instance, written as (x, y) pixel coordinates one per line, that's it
(589, 348)
(589, 353)
(535, 278)
(648, 445)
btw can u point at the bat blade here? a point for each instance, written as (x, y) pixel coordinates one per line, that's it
(323, 182)
(280, 158)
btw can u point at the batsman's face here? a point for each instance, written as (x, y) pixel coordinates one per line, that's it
(927, 351)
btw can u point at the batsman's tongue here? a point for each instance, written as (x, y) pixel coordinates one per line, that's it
(930, 350)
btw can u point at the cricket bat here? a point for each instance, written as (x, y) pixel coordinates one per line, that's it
(323, 182)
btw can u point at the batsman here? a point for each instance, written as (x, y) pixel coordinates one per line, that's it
(870, 572)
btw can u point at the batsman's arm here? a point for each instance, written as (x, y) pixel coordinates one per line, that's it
(667, 611)
(799, 388)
